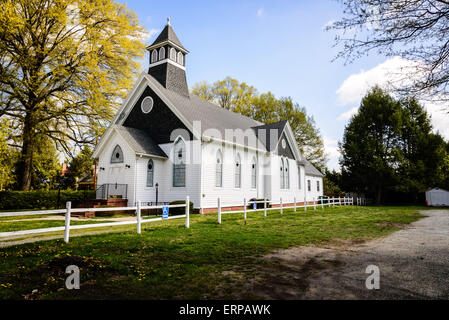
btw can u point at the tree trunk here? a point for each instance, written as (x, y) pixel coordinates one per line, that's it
(26, 155)
(379, 195)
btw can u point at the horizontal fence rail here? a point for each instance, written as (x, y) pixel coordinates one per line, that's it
(68, 211)
(313, 203)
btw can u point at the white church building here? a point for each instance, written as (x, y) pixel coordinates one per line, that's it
(165, 144)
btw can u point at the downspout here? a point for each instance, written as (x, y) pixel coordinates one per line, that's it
(305, 186)
(135, 182)
(202, 177)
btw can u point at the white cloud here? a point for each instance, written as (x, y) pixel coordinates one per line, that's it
(260, 12)
(440, 117)
(149, 34)
(332, 153)
(348, 114)
(389, 73)
(394, 72)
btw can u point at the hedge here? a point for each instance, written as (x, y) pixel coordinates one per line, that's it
(181, 210)
(41, 200)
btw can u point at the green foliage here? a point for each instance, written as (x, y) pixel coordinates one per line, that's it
(242, 98)
(46, 167)
(389, 144)
(41, 200)
(7, 156)
(81, 165)
(181, 210)
(65, 67)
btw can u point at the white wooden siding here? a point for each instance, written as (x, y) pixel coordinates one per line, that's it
(117, 172)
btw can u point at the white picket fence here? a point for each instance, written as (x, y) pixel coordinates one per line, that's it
(68, 212)
(330, 202)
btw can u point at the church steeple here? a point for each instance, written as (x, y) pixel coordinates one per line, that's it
(167, 61)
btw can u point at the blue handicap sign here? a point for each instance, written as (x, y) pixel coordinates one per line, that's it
(165, 213)
(255, 206)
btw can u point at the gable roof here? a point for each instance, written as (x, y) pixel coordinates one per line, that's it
(168, 34)
(211, 115)
(279, 126)
(311, 170)
(140, 142)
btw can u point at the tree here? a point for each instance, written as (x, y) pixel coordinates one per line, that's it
(228, 93)
(244, 99)
(46, 167)
(416, 30)
(6, 157)
(81, 165)
(389, 144)
(332, 182)
(64, 66)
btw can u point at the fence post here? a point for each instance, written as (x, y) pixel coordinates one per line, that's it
(281, 206)
(139, 218)
(67, 222)
(322, 203)
(187, 212)
(314, 204)
(244, 208)
(294, 199)
(305, 204)
(265, 207)
(219, 210)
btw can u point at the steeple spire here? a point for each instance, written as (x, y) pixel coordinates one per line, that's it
(167, 61)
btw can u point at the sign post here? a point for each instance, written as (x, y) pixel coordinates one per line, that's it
(164, 213)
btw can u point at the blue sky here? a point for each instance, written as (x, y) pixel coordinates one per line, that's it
(277, 46)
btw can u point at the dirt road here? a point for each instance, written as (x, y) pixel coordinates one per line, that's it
(413, 263)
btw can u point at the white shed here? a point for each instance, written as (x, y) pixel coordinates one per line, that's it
(437, 197)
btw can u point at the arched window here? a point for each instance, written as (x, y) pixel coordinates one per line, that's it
(287, 174)
(318, 186)
(299, 177)
(162, 53)
(219, 170)
(282, 174)
(309, 185)
(238, 172)
(180, 58)
(117, 155)
(150, 173)
(173, 54)
(154, 56)
(254, 173)
(179, 164)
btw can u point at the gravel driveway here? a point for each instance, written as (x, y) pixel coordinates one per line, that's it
(413, 263)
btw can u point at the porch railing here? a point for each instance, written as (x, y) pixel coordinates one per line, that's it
(112, 190)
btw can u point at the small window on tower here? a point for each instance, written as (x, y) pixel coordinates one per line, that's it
(154, 56)
(180, 58)
(173, 54)
(162, 53)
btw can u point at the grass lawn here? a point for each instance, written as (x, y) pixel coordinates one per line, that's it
(168, 261)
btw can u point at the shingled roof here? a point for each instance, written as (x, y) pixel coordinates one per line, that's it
(271, 142)
(311, 170)
(168, 34)
(140, 142)
(211, 115)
